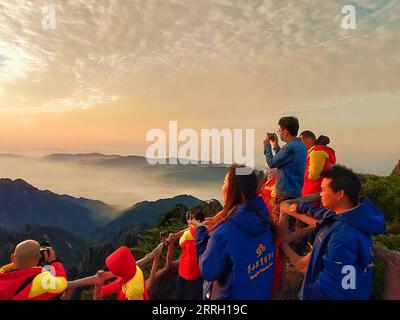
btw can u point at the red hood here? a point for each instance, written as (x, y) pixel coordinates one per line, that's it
(122, 263)
(331, 153)
(11, 281)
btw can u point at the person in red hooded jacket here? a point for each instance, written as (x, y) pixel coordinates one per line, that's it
(267, 190)
(25, 279)
(189, 282)
(130, 283)
(320, 157)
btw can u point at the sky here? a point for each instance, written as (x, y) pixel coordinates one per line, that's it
(113, 69)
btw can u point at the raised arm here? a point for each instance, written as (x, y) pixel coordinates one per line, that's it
(283, 156)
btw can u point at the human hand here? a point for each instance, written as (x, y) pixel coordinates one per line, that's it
(267, 140)
(293, 208)
(49, 255)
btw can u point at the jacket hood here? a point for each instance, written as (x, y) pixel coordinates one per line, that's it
(11, 280)
(365, 217)
(246, 218)
(122, 264)
(331, 153)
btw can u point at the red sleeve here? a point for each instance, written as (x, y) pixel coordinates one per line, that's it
(111, 288)
(278, 272)
(59, 269)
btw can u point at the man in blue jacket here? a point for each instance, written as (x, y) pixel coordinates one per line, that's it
(341, 261)
(290, 161)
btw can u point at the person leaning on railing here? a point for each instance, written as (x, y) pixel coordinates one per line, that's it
(130, 283)
(340, 264)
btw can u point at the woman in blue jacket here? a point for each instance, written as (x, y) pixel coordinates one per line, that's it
(235, 247)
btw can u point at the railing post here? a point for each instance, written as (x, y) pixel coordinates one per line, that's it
(154, 267)
(392, 281)
(392, 272)
(170, 253)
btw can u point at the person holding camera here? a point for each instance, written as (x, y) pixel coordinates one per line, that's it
(33, 274)
(189, 283)
(289, 160)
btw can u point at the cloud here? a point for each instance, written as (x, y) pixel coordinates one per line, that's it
(102, 43)
(208, 63)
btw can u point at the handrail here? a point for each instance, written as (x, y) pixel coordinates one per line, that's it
(390, 258)
(153, 256)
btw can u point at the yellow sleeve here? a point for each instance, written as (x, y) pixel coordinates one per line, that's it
(134, 288)
(45, 282)
(317, 164)
(273, 191)
(186, 236)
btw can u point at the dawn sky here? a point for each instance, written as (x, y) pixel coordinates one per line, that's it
(113, 69)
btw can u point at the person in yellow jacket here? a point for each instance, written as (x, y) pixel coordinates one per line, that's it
(130, 283)
(189, 285)
(319, 158)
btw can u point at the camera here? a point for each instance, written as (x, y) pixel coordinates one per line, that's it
(44, 248)
(272, 136)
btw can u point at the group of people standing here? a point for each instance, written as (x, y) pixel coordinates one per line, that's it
(238, 251)
(236, 254)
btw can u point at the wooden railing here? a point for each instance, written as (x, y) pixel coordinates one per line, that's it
(390, 258)
(152, 257)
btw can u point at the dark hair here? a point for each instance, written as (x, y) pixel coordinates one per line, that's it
(196, 214)
(308, 134)
(241, 189)
(323, 140)
(291, 124)
(344, 179)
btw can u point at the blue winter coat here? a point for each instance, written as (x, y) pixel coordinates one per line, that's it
(291, 163)
(237, 260)
(341, 262)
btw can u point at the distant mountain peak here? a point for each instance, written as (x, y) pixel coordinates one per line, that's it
(396, 169)
(144, 215)
(21, 203)
(19, 183)
(151, 202)
(75, 155)
(10, 155)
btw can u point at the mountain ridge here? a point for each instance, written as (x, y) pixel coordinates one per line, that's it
(21, 203)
